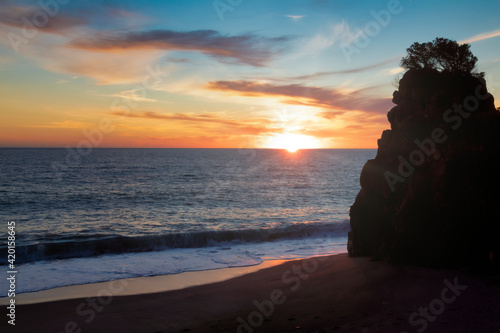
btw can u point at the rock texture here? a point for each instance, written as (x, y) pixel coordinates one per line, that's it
(432, 194)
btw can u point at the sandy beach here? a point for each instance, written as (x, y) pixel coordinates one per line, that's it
(319, 294)
(139, 285)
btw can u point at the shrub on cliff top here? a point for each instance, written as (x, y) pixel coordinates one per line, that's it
(443, 55)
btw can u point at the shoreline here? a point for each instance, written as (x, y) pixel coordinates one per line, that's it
(140, 285)
(320, 294)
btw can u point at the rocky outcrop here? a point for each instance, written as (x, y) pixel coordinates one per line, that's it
(431, 196)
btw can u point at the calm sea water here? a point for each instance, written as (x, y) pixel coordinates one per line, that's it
(119, 213)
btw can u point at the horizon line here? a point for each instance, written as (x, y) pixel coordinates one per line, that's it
(262, 148)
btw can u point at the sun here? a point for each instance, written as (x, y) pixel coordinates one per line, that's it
(292, 142)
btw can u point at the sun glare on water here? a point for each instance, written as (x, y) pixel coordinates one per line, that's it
(293, 142)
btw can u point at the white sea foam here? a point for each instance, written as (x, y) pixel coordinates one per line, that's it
(43, 275)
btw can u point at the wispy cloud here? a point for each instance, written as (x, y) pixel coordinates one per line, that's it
(133, 95)
(334, 100)
(246, 49)
(175, 116)
(296, 17)
(60, 124)
(177, 60)
(106, 68)
(247, 127)
(396, 70)
(346, 71)
(479, 37)
(337, 33)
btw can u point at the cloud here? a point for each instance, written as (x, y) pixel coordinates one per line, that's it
(177, 60)
(59, 19)
(29, 17)
(296, 17)
(248, 128)
(347, 71)
(335, 101)
(246, 49)
(483, 36)
(123, 17)
(396, 70)
(176, 116)
(124, 68)
(340, 32)
(60, 124)
(199, 141)
(136, 95)
(48, 51)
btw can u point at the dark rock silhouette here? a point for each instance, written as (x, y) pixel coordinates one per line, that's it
(432, 194)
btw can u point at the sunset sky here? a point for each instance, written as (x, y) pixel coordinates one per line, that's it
(226, 73)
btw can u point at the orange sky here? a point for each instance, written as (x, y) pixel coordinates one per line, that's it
(169, 74)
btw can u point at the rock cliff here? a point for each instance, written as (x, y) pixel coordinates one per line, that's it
(431, 196)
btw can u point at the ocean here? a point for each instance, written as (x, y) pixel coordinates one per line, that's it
(121, 213)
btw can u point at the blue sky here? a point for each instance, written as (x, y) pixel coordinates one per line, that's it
(229, 73)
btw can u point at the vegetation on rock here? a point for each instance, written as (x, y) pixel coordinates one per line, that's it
(442, 55)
